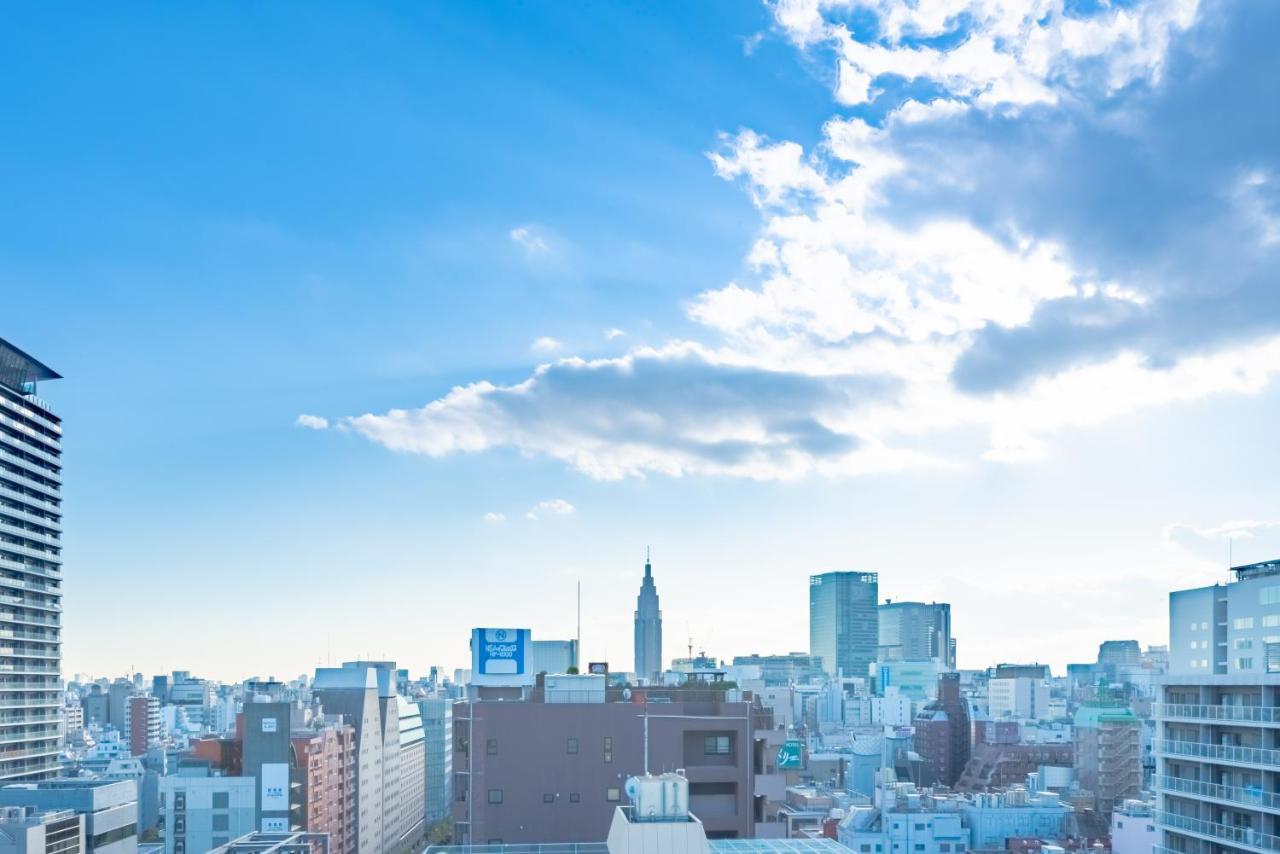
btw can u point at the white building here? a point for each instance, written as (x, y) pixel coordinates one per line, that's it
(27, 830)
(1133, 829)
(1217, 743)
(1018, 697)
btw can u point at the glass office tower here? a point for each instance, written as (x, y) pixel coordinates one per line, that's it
(30, 571)
(844, 622)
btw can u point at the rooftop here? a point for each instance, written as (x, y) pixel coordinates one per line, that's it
(1256, 570)
(20, 371)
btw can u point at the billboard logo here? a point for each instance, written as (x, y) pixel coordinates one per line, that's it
(790, 755)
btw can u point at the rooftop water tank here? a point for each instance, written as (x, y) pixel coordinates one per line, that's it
(662, 797)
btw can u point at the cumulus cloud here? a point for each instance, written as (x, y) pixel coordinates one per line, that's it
(612, 333)
(550, 507)
(1061, 236)
(494, 518)
(530, 239)
(312, 422)
(546, 344)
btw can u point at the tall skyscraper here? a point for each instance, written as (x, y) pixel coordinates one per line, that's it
(914, 631)
(30, 568)
(844, 624)
(648, 628)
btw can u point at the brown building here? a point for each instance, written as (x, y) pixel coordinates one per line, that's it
(943, 737)
(1002, 765)
(540, 771)
(325, 767)
(144, 727)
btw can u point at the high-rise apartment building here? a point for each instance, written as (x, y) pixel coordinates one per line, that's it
(915, 631)
(648, 628)
(844, 622)
(30, 569)
(390, 790)
(1217, 743)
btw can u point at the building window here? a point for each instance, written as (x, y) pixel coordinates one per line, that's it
(179, 801)
(1271, 620)
(491, 746)
(1244, 622)
(571, 746)
(715, 745)
(919, 846)
(574, 797)
(608, 748)
(1244, 643)
(613, 794)
(1269, 596)
(221, 800)
(221, 822)
(179, 824)
(548, 798)
(495, 796)
(1244, 664)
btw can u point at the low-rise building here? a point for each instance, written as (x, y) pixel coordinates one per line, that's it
(201, 813)
(28, 830)
(109, 808)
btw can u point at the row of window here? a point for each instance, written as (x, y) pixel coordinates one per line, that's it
(613, 795)
(712, 745)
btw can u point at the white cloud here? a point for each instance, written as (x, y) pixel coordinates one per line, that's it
(550, 507)
(312, 422)
(612, 333)
(545, 344)
(910, 288)
(751, 42)
(531, 239)
(494, 518)
(1000, 53)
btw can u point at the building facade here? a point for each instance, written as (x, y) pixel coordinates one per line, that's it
(844, 621)
(437, 739)
(648, 629)
(1217, 742)
(555, 772)
(30, 569)
(108, 809)
(943, 733)
(916, 631)
(325, 759)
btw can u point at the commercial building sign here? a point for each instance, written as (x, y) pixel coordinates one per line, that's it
(275, 787)
(790, 755)
(500, 657)
(600, 668)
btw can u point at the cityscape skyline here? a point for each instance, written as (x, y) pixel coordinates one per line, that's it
(244, 293)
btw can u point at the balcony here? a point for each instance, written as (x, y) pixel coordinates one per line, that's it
(1245, 836)
(35, 501)
(1217, 714)
(1251, 797)
(1230, 754)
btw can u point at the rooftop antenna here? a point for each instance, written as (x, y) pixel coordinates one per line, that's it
(577, 649)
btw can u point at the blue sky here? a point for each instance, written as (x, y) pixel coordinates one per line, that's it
(985, 303)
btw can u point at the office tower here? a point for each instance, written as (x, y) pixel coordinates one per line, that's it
(437, 734)
(915, 631)
(1218, 717)
(266, 752)
(1018, 697)
(844, 623)
(648, 629)
(943, 737)
(1118, 659)
(30, 568)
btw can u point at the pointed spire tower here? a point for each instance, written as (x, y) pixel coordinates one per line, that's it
(648, 627)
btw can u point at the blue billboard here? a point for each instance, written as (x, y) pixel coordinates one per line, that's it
(500, 657)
